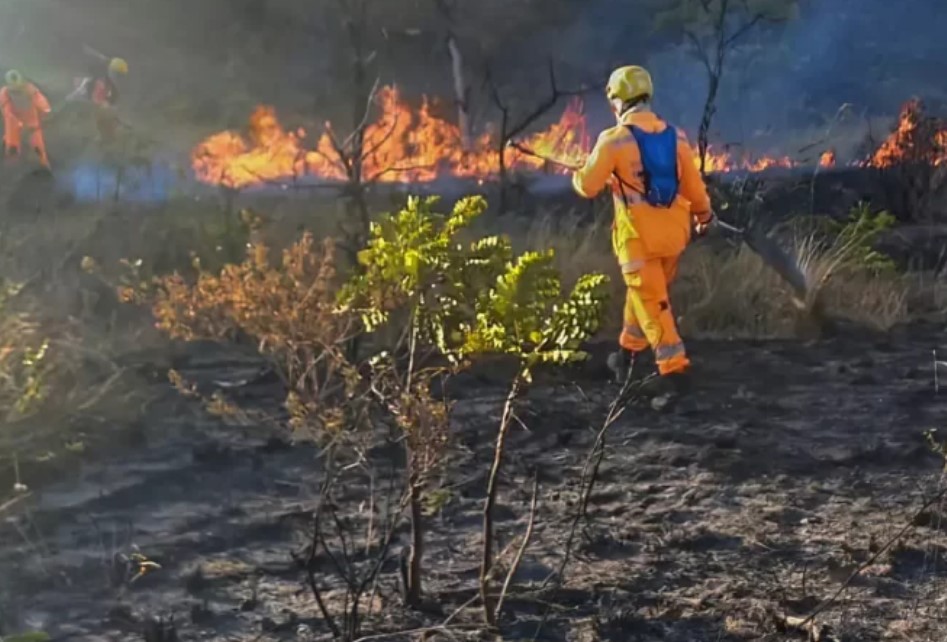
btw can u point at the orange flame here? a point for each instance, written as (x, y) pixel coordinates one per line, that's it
(918, 138)
(402, 145)
(414, 145)
(270, 154)
(718, 162)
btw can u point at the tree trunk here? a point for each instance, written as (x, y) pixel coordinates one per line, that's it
(461, 92)
(414, 588)
(710, 109)
(502, 175)
(358, 209)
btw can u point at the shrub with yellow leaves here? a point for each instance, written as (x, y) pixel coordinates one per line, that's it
(287, 307)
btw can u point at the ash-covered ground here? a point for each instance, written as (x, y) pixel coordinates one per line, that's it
(792, 465)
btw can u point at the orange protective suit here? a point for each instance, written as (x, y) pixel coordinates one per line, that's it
(24, 108)
(647, 240)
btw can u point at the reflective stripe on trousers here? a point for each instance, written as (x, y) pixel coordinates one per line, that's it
(634, 331)
(668, 351)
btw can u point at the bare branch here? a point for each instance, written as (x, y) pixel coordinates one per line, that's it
(701, 50)
(527, 536)
(368, 111)
(911, 523)
(743, 30)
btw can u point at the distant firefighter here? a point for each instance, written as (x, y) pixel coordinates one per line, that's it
(24, 107)
(101, 89)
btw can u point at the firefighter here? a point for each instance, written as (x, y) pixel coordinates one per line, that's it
(658, 195)
(101, 89)
(24, 107)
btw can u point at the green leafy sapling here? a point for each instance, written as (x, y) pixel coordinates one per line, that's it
(451, 302)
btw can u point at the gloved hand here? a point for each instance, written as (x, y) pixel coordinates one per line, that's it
(701, 229)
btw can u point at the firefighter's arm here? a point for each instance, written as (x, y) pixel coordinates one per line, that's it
(692, 185)
(595, 175)
(6, 108)
(40, 102)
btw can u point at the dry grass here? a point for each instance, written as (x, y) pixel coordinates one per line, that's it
(729, 292)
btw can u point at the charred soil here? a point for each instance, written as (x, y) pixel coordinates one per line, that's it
(789, 467)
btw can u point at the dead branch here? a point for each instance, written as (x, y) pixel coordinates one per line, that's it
(527, 536)
(11, 503)
(313, 548)
(911, 523)
(814, 632)
(486, 562)
(593, 462)
(446, 630)
(363, 124)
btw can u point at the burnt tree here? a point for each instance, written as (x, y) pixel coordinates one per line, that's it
(714, 29)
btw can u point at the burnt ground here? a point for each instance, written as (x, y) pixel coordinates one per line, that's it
(793, 463)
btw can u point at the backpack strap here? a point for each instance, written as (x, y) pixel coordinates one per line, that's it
(636, 198)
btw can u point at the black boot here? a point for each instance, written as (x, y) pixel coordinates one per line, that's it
(672, 385)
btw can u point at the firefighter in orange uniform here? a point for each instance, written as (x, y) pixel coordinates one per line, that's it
(658, 195)
(102, 91)
(23, 107)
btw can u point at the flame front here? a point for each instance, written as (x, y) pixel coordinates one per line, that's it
(402, 145)
(408, 145)
(917, 139)
(271, 154)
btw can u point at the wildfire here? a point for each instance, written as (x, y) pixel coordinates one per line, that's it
(270, 154)
(402, 145)
(414, 145)
(724, 162)
(918, 138)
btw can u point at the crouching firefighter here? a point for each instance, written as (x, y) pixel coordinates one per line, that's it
(23, 107)
(658, 193)
(101, 89)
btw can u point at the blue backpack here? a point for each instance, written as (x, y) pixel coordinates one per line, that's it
(659, 164)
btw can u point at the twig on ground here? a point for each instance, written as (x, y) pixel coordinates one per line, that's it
(11, 503)
(460, 609)
(813, 632)
(104, 388)
(871, 560)
(446, 630)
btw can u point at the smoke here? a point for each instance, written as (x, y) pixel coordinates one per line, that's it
(91, 182)
(873, 54)
(870, 54)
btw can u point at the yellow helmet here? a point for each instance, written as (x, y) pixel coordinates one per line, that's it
(629, 83)
(118, 66)
(14, 79)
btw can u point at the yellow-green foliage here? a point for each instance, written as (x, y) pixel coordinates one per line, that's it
(859, 232)
(414, 262)
(34, 636)
(23, 360)
(525, 315)
(474, 298)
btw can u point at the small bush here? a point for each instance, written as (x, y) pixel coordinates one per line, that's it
(287, 308)
(457, 301)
